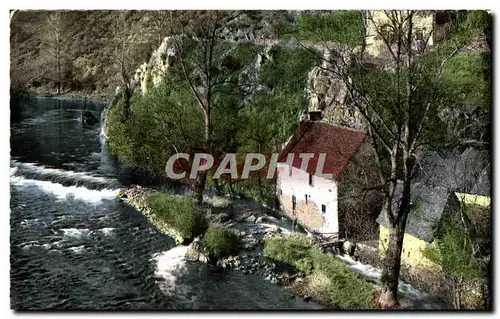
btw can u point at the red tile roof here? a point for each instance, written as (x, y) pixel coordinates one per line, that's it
(338, 143)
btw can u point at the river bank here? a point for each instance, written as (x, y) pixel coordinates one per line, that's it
(257, 229)
(256, 232)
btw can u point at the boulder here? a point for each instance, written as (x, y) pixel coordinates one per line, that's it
(221, 218)
(274, 230)
(195, 251)
(203, 259)
(349, 248)
(88, 118)
(251, 219)
(192, 254)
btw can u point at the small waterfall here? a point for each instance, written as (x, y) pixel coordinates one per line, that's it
(63, 192)
(63, 177)
(171, 266)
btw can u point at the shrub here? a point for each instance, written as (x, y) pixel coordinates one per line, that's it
(294, 250)
(220, 242)
(345, 26)
(328, 277)
(179, 213)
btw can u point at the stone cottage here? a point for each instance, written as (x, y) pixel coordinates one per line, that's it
(328, 206)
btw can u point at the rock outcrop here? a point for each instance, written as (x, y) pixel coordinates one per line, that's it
(327, 93)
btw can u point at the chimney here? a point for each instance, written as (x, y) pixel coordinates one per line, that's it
(315, 115)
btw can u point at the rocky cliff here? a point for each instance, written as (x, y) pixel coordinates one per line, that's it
(321, 91)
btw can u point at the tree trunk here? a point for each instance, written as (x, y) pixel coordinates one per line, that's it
(392, 264)
(127, 95)
(201, 178)
(458, 294)
(261, 192)
(391, 267)
(199, 186)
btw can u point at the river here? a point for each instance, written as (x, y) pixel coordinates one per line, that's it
(74, 246)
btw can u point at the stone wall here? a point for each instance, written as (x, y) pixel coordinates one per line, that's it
(307, 214)
(377, 20)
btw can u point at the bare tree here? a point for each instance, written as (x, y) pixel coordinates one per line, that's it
(158, 24)
(56, 42)
(124, 47)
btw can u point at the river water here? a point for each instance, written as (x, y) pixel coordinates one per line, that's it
(73, 246)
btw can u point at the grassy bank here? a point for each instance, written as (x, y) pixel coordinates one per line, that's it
(328, 280)
(178, 217)
(179, 213)
(174, 216)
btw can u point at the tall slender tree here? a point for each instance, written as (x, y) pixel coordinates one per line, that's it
(123, 49)
(202, 70)
(56, 43)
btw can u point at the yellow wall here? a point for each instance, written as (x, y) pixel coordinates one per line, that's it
(375, 46)
(468, 199)
(412, 250)
(412, 246)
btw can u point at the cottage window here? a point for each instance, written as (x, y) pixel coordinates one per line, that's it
(293, 202)
(306, 198)
(310, 180)
(323, 209)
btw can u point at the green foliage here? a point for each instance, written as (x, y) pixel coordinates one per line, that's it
(344, 287)
(272, 116)
(344, 26)
(220, 242)
(120, 141)
(263, 192)
(293, 250)
(162, 122)
(468, 26)
(178, 212)
(244, 53)
(287, 68)
(465, 76)
(168, 119)
(453, 250)
(337, 285)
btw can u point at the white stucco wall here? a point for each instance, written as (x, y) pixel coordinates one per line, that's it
(323, 192)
